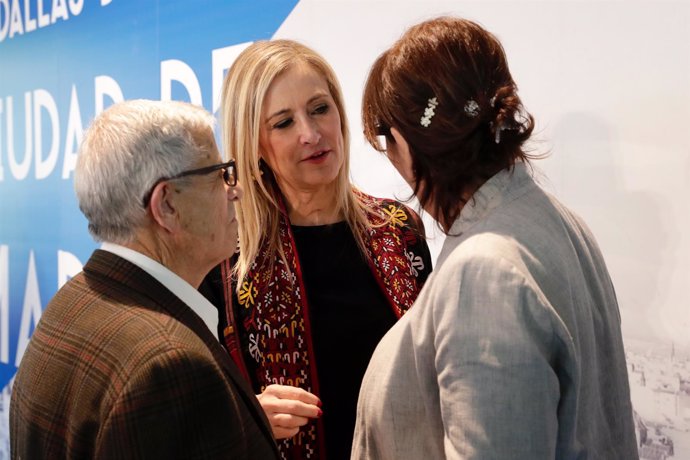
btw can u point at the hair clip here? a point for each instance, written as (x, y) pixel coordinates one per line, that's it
(472, 108)
(501, 127)
(428, 112)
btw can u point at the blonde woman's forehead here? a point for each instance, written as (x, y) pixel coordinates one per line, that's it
(297, 85)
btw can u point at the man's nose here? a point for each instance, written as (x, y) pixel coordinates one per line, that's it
(235, 192)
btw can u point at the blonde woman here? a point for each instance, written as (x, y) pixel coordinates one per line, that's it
(324, 270)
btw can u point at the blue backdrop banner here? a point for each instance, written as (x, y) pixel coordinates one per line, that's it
(61, 63)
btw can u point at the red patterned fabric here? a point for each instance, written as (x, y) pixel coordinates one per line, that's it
(270, 318)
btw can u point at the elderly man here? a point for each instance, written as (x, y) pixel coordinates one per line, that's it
(124, 362)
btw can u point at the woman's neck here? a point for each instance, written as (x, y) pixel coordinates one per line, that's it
(437, 214)
(313, 207)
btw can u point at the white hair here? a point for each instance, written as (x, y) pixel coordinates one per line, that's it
(125, 151)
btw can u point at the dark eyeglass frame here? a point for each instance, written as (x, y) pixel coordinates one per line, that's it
(383, 130)
(229, 176)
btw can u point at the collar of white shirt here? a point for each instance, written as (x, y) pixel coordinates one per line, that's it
(182, 289)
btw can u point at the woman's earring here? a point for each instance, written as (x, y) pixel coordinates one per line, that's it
(261, 168)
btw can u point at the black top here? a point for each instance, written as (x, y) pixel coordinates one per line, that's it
(349, 314)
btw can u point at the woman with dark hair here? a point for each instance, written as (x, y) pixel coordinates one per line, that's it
(513, 348)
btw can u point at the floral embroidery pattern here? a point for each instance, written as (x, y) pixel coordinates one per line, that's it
(247, 294)
(416, 262)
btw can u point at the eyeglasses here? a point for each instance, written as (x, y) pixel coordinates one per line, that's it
(383, 130)
(229, 176)
(383, 135)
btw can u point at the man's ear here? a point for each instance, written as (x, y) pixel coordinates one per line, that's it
(164, 206)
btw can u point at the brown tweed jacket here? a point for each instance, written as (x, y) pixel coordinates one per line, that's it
(119, 367)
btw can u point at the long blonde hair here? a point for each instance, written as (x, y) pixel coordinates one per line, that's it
(244, 91)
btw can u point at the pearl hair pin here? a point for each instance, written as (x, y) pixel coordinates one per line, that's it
(429, 112)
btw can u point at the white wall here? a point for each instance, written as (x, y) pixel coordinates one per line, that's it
(608, 85)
